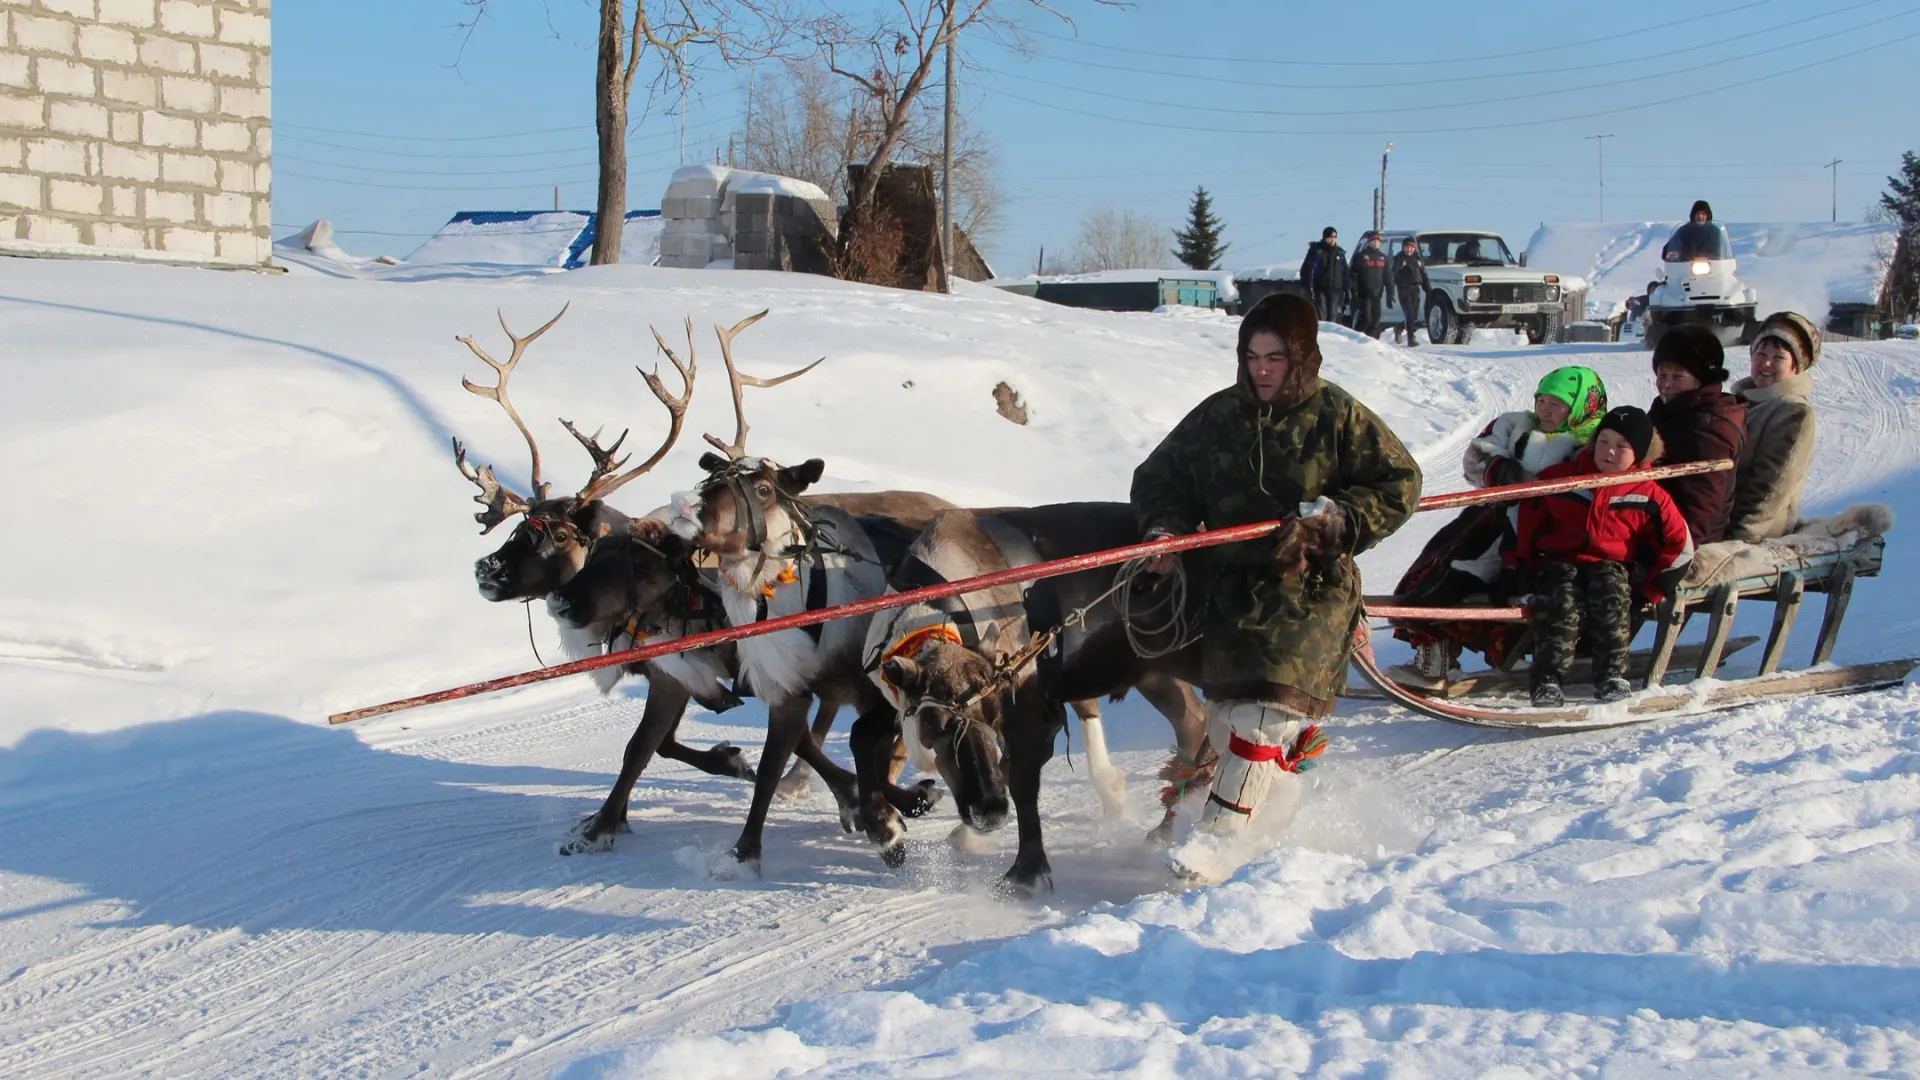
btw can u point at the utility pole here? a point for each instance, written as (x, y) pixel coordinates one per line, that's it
(556, 196)
(946, 163)
(1042, 268)
(1834, 167)
(1380, 215)
(1601, 142)
(1376, 208)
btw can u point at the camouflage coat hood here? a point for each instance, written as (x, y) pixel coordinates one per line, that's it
(1235, 460)
(1296, 322)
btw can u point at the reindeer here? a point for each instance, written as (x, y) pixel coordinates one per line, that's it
(965, 699)
(549, 543)
(778, 553)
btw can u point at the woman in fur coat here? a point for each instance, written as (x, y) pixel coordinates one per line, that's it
(1778, 449)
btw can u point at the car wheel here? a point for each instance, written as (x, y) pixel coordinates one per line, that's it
(1443, 328)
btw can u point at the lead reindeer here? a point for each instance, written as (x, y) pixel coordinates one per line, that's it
(778, 555)
(549, 547)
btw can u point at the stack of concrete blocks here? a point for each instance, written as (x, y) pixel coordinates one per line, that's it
(136, 129)
(744, 220)
(780, 224)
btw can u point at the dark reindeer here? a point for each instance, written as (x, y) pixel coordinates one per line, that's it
(778, 553)
(965, 701)
(550, 542)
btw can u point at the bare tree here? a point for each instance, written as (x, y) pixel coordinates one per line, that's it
(1112, 239)
(804, 123)
(677, 34)
(891, 60)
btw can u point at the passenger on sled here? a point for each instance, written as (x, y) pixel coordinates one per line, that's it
(1585, 554)
(1462, 562)
(1778, 449)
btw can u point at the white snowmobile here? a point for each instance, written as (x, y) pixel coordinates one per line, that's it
(1700, 287)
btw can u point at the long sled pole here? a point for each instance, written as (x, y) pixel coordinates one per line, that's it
(1016, 575)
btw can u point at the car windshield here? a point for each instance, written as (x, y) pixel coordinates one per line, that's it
(1697, 240)
(1473, 249)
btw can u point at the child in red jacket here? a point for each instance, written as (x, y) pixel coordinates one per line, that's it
(1582, 549)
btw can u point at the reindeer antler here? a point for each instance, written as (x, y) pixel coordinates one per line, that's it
(498, 392)
(738, 448)
(500, 501)
(600, 485)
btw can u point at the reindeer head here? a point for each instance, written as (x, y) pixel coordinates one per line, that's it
(635, 577)
(954, 697)
(745, 502)
(551, 541)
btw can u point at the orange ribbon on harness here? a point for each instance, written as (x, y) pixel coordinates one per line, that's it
(911, 645)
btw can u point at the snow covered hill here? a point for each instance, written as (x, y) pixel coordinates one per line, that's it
(248, 518)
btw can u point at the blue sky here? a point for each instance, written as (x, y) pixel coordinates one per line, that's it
(388, 118)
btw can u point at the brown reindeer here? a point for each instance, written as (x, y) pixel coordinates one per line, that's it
(966, 699)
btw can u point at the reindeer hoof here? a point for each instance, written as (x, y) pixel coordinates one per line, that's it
(1160, 837)
(586, 837)
(1026, 883)
(736, 762)
(748, 861)
(922, 798)
(894, 854)
(793, 786)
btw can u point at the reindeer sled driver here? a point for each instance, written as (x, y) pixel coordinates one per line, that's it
(961, 637)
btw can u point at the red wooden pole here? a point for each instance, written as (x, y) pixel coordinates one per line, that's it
(1015, 575)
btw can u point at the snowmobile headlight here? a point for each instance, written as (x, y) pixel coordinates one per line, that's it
(1553, 292)
(1473, 292)
(1702, 267)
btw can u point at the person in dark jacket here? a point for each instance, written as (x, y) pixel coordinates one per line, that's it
(1280, 444)
(1411, 284)
(1582, 549)
(1367, 277)
(1697, 422)
(1324, 273)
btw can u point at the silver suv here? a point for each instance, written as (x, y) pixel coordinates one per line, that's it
(1477, 282)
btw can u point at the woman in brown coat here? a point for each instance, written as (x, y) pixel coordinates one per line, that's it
(1697, 422)
(1779, 444)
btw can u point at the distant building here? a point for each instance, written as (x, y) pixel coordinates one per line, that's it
(1128, 290)
(136, 129)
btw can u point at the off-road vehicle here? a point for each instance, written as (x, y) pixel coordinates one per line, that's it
(1477, 282)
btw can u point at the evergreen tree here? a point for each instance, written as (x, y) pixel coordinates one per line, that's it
(1200, 246)
(1902, 202)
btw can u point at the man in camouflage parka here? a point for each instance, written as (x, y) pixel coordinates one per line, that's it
(1279, 617)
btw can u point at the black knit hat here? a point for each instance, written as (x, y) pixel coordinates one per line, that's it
(1329, 231)
(1700, 207)
(1633, 425)
(1696, 349)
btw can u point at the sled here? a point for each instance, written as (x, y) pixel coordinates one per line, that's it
(1785, 587)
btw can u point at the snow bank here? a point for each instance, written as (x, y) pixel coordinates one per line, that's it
(289, 429)
(1794, 267)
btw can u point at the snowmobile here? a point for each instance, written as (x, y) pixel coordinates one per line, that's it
(1700, 287)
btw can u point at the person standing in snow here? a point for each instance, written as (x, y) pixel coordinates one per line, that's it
(1697, 422)
(1411, 284)
(1582, 550)
(1367, 277)
(1324, 274)
(1778, 448)
(1281, 443)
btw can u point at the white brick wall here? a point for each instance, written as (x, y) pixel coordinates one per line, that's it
(136, 128)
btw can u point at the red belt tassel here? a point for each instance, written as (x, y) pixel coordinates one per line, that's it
(1311, 744)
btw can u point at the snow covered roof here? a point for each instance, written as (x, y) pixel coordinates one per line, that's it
(1222, 279)
(556, 238)
(721, 180)
(1805, 267)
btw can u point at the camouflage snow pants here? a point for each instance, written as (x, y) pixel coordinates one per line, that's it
(1569, 598)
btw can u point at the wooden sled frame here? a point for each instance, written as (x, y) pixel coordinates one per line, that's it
(1830, 573)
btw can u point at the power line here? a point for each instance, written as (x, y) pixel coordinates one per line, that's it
(1426, 81)
(1399, 63)
(527, 186)
(1501, 99)
(466, 138)
(1507, 126)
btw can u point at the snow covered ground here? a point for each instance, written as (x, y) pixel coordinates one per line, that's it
(253, 522)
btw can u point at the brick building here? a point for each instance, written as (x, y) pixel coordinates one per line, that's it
(136, 129)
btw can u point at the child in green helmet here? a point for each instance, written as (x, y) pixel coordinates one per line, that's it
(1463, 558)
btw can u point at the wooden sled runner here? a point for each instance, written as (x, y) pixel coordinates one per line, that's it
(1785, 586)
